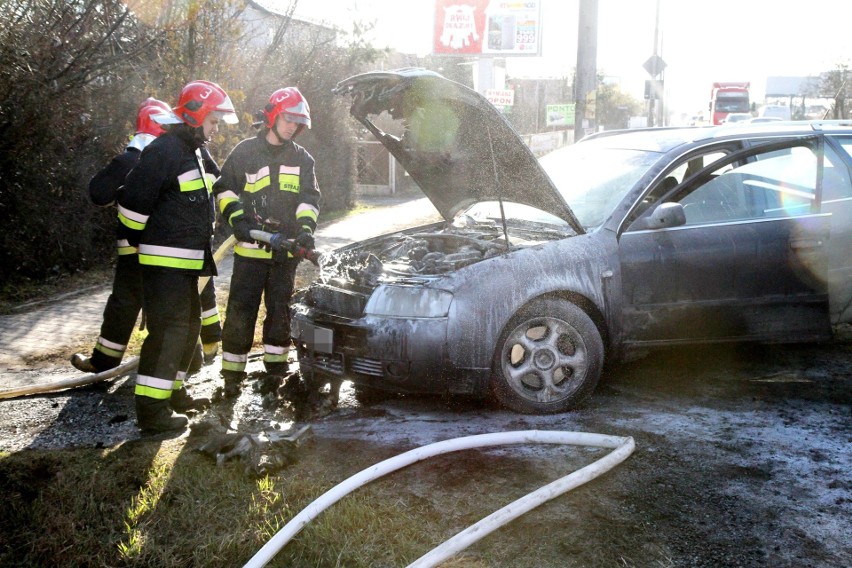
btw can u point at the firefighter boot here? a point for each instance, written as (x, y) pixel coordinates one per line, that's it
(210, 350)
(182, 401)
(232, 382)
(83, 363)
(154, 416)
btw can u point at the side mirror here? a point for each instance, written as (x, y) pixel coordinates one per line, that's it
(666, 215)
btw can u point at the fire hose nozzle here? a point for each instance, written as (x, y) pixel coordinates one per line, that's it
(279, 242)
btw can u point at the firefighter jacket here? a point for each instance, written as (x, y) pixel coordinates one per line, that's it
(166, 205)
(273, 187)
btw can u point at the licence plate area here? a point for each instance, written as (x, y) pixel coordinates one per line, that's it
(315, 338)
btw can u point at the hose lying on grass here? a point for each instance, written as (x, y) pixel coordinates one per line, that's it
(622, 448)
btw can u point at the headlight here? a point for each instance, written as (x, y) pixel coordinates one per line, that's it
(408, 302)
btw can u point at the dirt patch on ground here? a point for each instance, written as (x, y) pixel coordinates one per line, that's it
(742, 457)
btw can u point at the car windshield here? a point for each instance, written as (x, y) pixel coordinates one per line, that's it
(593, 178)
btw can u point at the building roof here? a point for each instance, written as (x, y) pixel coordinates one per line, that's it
(792, 86)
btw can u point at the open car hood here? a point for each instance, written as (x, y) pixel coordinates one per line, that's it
(455, 144)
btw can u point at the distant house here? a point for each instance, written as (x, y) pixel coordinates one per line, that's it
(264, 18)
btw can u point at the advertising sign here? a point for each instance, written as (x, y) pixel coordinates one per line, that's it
(500, 97)
(487, 27)
(560, 115)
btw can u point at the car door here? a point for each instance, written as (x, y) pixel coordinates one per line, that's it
(748, 263)
(837, 200)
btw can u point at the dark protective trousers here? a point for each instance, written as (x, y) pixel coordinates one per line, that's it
(251, 280)
(173, 312)
(122, 311)
(211, 325)
(120, 314)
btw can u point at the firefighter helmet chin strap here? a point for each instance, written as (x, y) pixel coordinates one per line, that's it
(278, 136)
(198, 136)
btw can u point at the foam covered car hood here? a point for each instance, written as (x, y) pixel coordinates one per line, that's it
(455, 144)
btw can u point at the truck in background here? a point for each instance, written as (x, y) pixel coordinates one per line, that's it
(728, 97)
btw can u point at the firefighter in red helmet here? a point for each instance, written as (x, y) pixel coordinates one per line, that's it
(125, 300)
(267, 183)
(166, 209)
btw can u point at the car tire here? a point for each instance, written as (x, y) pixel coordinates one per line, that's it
(548, 360)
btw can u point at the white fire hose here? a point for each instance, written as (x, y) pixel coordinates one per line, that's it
(622, 448)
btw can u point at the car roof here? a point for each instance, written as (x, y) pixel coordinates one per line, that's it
(663, 139)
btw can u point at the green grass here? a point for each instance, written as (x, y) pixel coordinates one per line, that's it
(162, 504)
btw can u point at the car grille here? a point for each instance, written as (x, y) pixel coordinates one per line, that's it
(333, 364)
(365, 366)
(337, 301)
(329, 363)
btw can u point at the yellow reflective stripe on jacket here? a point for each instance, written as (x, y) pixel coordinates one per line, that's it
(257, 181)
(132, 219)
(172, 257)
(307, 211)
(226, 198)
(288, 179)
(234, 215)
(251, 250)
(211, 179)
(153, 387)
(191, 181)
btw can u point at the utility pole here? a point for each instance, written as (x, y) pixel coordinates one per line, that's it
(652, 114)
(586, 80)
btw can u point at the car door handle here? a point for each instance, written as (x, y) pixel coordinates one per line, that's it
(806, 244)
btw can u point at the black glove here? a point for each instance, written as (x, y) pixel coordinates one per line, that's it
(242, 227)
(305, 240)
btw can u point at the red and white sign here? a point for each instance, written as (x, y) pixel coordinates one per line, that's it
(487, 27)
(500, 97)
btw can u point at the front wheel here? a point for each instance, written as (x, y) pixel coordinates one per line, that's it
(548, 360)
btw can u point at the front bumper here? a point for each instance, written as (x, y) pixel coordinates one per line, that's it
(393, 354)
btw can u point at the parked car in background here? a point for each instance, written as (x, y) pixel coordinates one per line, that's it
(543, 270)
(759, 119)
(736, 117)
(775, 111)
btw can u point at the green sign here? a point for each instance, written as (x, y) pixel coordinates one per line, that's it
(560, 115)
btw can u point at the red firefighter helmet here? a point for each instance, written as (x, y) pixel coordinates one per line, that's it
(197, 100)
(289, 102)
(145, 124)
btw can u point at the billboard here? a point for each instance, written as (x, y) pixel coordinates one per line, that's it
(500, 97)
(560, 115)
(487, 27)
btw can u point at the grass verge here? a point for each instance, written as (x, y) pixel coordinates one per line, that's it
(161, 504)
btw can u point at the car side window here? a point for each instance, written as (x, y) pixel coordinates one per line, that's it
(677, 176)
(836, 182)
(781, 183)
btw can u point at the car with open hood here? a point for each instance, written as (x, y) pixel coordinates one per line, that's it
(543, 270)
